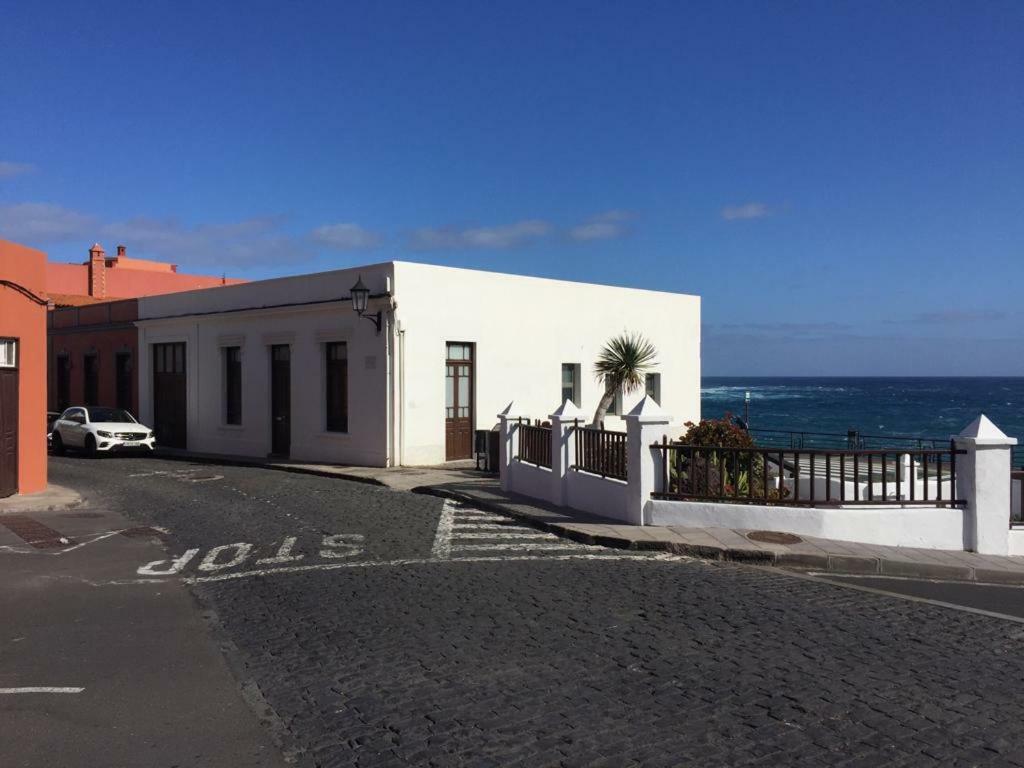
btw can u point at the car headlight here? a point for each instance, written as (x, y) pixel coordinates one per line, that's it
(101, 433)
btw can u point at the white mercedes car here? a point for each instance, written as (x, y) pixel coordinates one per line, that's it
(96, 429)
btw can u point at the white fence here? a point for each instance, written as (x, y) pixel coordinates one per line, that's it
(890, 517)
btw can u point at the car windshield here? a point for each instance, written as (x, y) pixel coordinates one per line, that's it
(110, 414)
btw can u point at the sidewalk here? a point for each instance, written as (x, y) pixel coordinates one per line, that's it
(461, 482)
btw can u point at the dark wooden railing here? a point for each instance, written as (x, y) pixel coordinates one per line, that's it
(1017, 513)
(809, 477)
(534, 444)
(600, 452)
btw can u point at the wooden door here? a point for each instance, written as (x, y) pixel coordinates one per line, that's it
(458, 405)
(280, 399)
(123, 381)
(170, 403)
(63, 383)
(91, 386)
(8, 431)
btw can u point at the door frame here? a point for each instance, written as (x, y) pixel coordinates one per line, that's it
(152, 385)
(472, 393)
(15, 372)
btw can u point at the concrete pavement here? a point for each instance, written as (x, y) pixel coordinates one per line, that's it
(154, 687)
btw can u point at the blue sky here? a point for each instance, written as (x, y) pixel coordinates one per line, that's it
(843, 183)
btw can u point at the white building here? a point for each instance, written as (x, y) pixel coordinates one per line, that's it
(287, 367)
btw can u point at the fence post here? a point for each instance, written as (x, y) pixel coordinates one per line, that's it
(563, 450)
(508, 443)
(983, 480)
(645, 425)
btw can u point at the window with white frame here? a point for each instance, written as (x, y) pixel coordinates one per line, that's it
(652, 387)
(8, 353)
(571, 383)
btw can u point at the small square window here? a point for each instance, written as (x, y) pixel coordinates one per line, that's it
(8, 353)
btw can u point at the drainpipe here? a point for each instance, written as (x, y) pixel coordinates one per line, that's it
(401, 393)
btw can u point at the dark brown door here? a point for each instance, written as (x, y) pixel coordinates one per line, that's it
(63, 382)
(170, 404)
(92, 380)
(123, 381)
(458, 405)
(8, 431)
(280, 399)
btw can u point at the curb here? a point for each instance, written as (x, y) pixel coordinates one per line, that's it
(66, 498)
(234, 462)
(850, 565)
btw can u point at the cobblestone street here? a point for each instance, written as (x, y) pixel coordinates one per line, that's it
(388, 628)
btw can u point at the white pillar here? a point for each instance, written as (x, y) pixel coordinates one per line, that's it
(563, 449)
(983, 480)
(508, 443)
(645, 425)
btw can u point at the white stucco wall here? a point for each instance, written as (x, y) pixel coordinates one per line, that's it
(524, 328)
(305, 328)
(597, 495)
(925, 527)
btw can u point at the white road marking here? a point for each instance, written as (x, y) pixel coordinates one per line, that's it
(491, 527)
(177, 565)
(210, 563)
(442, 548)
(284, 554)
(342, 545)
(40, 689)
(653, 557)
(30, 550)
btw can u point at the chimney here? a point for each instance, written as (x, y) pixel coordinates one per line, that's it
(121, 251)
(97, 272)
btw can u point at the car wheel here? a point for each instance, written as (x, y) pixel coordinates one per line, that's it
(58, 444)
(90, 447)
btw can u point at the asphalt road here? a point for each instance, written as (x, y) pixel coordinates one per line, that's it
(384, 628)
(995, 598)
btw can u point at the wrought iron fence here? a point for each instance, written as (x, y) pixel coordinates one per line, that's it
(841, 477)
(534, 444)
(854, 440)
(600, 452)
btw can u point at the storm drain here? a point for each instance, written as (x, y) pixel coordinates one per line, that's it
(774, 537)
(35, 533)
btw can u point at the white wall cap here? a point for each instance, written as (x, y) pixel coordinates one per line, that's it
(982, 431)
(510, 411)
(647, 411)
(567, 411)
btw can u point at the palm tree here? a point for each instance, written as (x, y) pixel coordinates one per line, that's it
(623, 364)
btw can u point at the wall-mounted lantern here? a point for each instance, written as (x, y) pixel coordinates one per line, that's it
(360, 297)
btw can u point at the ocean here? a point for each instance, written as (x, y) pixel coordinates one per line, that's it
(917, 407)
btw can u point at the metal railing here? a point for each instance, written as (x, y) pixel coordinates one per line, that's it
(853, 439)
(534, 444)
(600, 452)
(761, 475)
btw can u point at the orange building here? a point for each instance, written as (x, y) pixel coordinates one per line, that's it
(102, 278)
(92, 339)
(22, 369)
